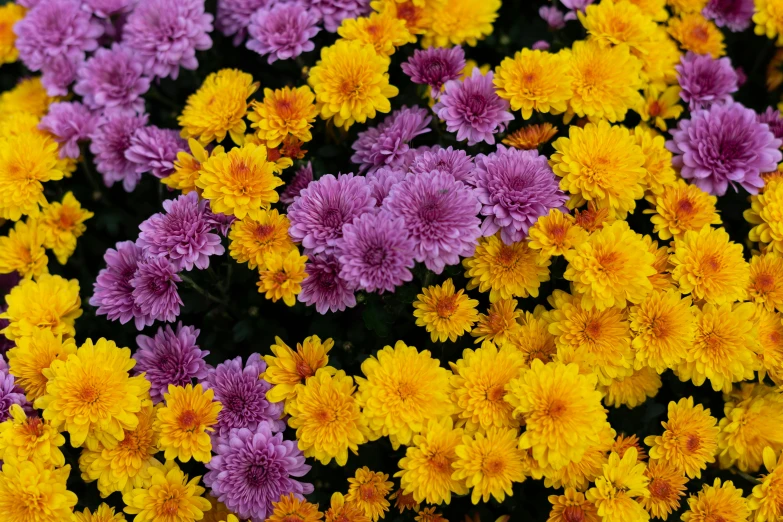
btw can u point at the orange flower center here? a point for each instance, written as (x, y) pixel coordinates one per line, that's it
(264, 232)
(685, 207)
(655, 109)
(170, 506)
(506, 256)
(660, 489)
(446, 306)
(764, 283)
(693, 443)
(493, 467)
(368, 492)
(593, 329)
(495, 393)
(188, 420)
(700, 33)
(280, 277)
(558, 233)
(573, 514)
(556, 409)
(34, 427)
(303, 369)
(89, 394)
(440, 463)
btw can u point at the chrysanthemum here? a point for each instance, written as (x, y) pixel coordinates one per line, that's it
(154, 150)
(460, 21)
(766, 280)
(324, 288)
(624, 442)
(580, 474)
(11, 394)
(530, 136)
(534, 81)
(403, 501)
(767, 498)
(572, 506)
(401, 389)
(62, 224)
(252, 239)
(332, 12)
(633, 390)
(717, 502)
(33, 354)
(667, 486)
(768, 18)
(109, 143)
(340, 510)
(770, 347)
(284, 112)
(282, 31)
(383, 179)
(383, 31)
(112, 80)
(444, 313)
(697, 34)
(10, 13)
(388, 144)
(31, 491)
(657, 159)
(618, 23)
(766, 214)
(282, 276)
(681, 207)
(22, 250)
(533, 338)
(155, 290)
(50, 303)
(690, 438)
(368, 491)
(435, 66)
(302, 178)
(705, 81)
(171, 497)
(287, 368)
(663, 326)
(25, 438)
(499, 324)
(615, 493)
(657, 107)
(291, 509)
(556, 233)
(189, 413)
(103, 513)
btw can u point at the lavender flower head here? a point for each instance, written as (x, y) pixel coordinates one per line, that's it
(705, 80)
(515, 188)
(10, 394)
(165, 35)
(382, 180)
(219, 221)
(319, 212)
(774, 120)
(233, 16)
(113, 291)
(110, 141)
(734, 14)
(282, 31)
(154, 150)
(454, 161)
(155, 289)
(171, 357)
(333, 12)
(324, 287)
(435, 66)
(724, 145)
(301, 179)
(253, 468)
(388, 143)
(553, 16)
(472, 109)
(113, 80)
(439, 212)
(108, 8)
(69, 123)
(573, 6)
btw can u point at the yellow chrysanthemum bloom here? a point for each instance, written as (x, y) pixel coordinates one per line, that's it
(31, 491)
(572, 505)
(766, 214)
(766, 502)
(170, 498)
(662, 279)
(287, 368)
(284, 112)
(531, 136)
(218, 512)
(681, 207)
(10, 13)
(505, 271)
(342, 511)
(561, 409)
(188, 166)
(429, 515)
(499, 324)
(606, 81)
(556, 233)
(770, 336)
(624, 442)
(403, 501)
(659, 173)
(633, 390)
(22, 250)
(368, 491)
(184, 422)
(615, 492)
(251, 239)
(687, 6)
(32, 355)
(618, 23)
(457, 22)
(667, 486)
(445, 314)
(383, 31)
(218, 107)
(104, 513)
(351, 83)
(710, 266)
(291, 509)
(28, 96)
(697, 34)
(402, 389)
(533, 338)
(663, 326)
(690, 438)
(18, 123)
(50, 303)
(489, 463)
(655, 9)
(34, 439)
(717, 502)
(765, 287)
(768, 18)
(240, 182)
(601, 163)
(417, 14)
(282, 277)
(657, 107)
(660, 58)
(534, 81)
(63, 224)
(580, 474)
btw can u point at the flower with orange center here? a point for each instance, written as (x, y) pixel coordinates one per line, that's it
(633, 390)
(22, 250)
(188, 166)
(342, 511)
(681, 207)
(697, 34)
(716, 503)
(291, 509)
(572, 506)
(534, 81)
(770, 330)
(458, 22)
(251, 239)
(663, 326)
(10, 13)
(499, 324)
(403, 501)
(384, 31)
(25, 438)
(415, 13)
(104, 513)
(184, 422)
(284, 112)
(531, 136)
(218, 512)
(533, 339)
(48, 303)
(623, 442)
(282, 277)
(667, 486)
(63, 224)
(556, 233)
(32, 491)
(171, 497)
(445, 314)
(287, 368)
(768, 17)
(592, 218)
(618, 23)
(368, 491)
(659, 107)
(766, 214)
(766, 280)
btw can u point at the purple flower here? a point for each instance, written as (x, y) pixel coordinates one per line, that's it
(233, 16)
(219, 221)
(515, 188)
(540, 45)
(110, 141)
(324, 287)
(472, 109)
(282, 31)
(319, 212)
(301, 179)
(113, 79)
(333, 12)
(774, 120)
(154, 150)
(724, 145)
(10, 394)
(69, 123)
(705, 80)
(435, 66)
(253, 468)
(453, 161)
(440, 214)
(165, 35)
(113, 291)
(171, 357)
(108, 8)
(388, 143)
(58, 73)
(553, 16)
(734, 14)
(382, 180)
(573, 6)
(155, 289)
(243, 396)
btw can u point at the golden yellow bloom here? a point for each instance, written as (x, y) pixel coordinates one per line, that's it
(768, 18)
(770, 336)
(593, 218)
(18, 123)
(218, 107)
(429, 515)
(556, 233)
(104, 513)
(657, 159)
(572, 506)
(767, 498)
(456, 22)
(251, 239)
(697, 34)
(534, 81)
(403, 501)
(383, 31)
(766, 214)
(368, 490)
(34, 439)
(342, 511)
(663, 325)
(22, 250)
(657, 107)
(188, 166)
(287, 368)
(445, 314)
(506, 271)
(655, 9)
(10, 13)
(687, 6)
(717, 502)
(633, 390)
(291, 509)
(63, 224)
(578, 475)
(499, 324)
(282, 277)
(615, 492)
(50, 303)
(32, 355)
(662, 279)
(624, 442)
(689, 440)
(531, 136)
(284, 112)
(618, 23)
(170, 498)
(28, 96)
(184, 421)
(533, 338)
(765, 287)
(31, 491)
(681, 207)
(667, 485)
(415, 13)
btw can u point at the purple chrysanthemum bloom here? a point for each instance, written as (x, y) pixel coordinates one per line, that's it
(774, 120)
(333, 12)
(388, 142)
(182, 235)
(319, 212)
(28, 3)
(435, 66)
(154, 150)
(171, 357)
(282, 31)
(515, 188)
(10, 394)
(472, 108)
(734, 14)
(165, 35)
(59, 73)
(573, 6)
(376, 252)
(233, 16)
(155, 289)
(113, 80)
(705, 80)
(69, 123)
(454, 161)
(554, 17)
(299, 182)
(110, 141)
(382, 180)
(440, 214)
(724, 145)
(219, 221)
(324, 287)
(108, 8)
(3, 364)
(252, 468)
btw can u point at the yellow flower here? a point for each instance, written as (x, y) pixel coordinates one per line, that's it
(593, 218)
(402, 389)
(499, 324)
(19, 123)
(429, 515)
(32, 355)
(351, 83)
(663, 325)
(250, 239)
(505, 271)
(770, 332)
(368, 490)
(10, 13)
(456, 22)
(282, 277)
(531, 136)
(34, 439)
(415, 13)
(22, 250)
(184, 422)
(681, 207)
(659, 173)
(667, 486)
(687, 6)
(50, 303)
(444, 313)
(561, 409)
(660, 106)
(615, 492)
(696, 33)
(765, 287)
(170, 498)
(534, 81)
(579, 474)
(383, 31)
(768, 18)
(618, 23)
(633, 390)
(104, 513)
(767, 498)
(624, 442)
(218, 107)
(63, 224)
(284, 112)
(533, 338)
(404, 501)
(689, 440)
(572, 506)
(766, 214)
(342, 511)
(187, 167)
(655, 9)
(28, 96)
(717, 502)
(556, 233)
(287, 368)
(291, 509)
(29, 491)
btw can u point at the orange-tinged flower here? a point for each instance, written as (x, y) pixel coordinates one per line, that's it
(444, 312)
(284, 112)
(251, 239)
(697, 34)
(531, 136)
(667, 486)
(368, 491)
(184, 422)
(287, 368)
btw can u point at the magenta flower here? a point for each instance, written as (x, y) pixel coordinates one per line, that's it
(154, 150)
(453, 161)
(388, 143)
(219, 221)
(435, 66)
(155, 289)
(282, 31)
(382, 180)
(69, 123)
(11, 393)
(774, 120)
(574, 6)
(113, 291)
(333, 12)
(113, 80)
(108, 8)
(110, 141)
(301, 179)
(233, 17)
(324, 287)
(553, 16)
(734, 14)
(705, 80)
